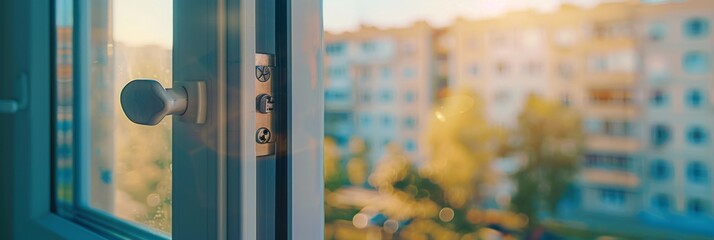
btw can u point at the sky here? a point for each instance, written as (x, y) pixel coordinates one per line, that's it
(343, 15)
(142, 22)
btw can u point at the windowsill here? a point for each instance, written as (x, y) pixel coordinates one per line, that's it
(58, 227)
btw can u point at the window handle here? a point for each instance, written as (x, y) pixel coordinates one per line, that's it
(146, 102)
(10, 106)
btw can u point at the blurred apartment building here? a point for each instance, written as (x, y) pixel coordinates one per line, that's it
(584, 58)
(676, 44)
(503, 60)
(639, 72)
(379, 88)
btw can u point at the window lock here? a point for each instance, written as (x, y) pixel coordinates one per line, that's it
(264, 68)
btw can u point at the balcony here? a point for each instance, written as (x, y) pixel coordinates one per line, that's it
(609, 178)
(611, 110)
(612, 144)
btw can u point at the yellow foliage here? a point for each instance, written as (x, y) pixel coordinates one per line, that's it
(462, 144)
(331, 158)
(392, 168)
(357, 171)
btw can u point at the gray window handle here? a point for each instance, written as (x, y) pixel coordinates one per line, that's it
(146, 102)
(13, 106)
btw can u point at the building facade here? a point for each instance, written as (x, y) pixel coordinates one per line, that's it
(595, 73)
(584, 58)
(378, 87)
(503, 60)
(676, 47)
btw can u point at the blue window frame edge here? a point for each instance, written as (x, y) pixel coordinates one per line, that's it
(30, 215)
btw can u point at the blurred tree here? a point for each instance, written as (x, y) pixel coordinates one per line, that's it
(550, 138)
(461, 143)
(142, 163)
(333, 178)
(357, 167)
(336, 177)
(433, 200)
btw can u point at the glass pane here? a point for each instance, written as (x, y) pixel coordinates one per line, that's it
(64, 125)
(517, 119)
(126, 168)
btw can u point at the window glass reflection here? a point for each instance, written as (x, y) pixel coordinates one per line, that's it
(125, 168)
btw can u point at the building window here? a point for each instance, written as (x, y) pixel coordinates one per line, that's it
(612, 197)
(334, 49)
(386, 73)
(566, 37)
(335, 95)
(534, 68)
(660, 135)
(597, 63)
(697, 172)
(410, 145)
(695, 98)
(565, 70)
(696, 62)
(365, 73)
(385, 96)
(337, 72)
(697, 135)
(696, 28)
(696, 207)
(366, 97)
(502, 68)
(606, 30)
(501, 97)
(387, 121)
(608, 161)
(410, 122)
(409, 97)
(369, 47)
(408, 73)
(659, 170)
(616, 128)
(473, 70)
(661, 202)
(658, 98)
(657, 32)
(611, 96)
(565, 99)
(408, 48)
(498, 40)
(365, 120)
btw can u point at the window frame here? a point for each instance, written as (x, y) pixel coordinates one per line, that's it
(655, 167)
(79, 212)
(698, 167)
(697, 129)
(32, 214)
(687, 27)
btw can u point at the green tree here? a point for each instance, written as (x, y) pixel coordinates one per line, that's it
(550, 138)
(462, 143)
(437, 196)
(440, 193)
